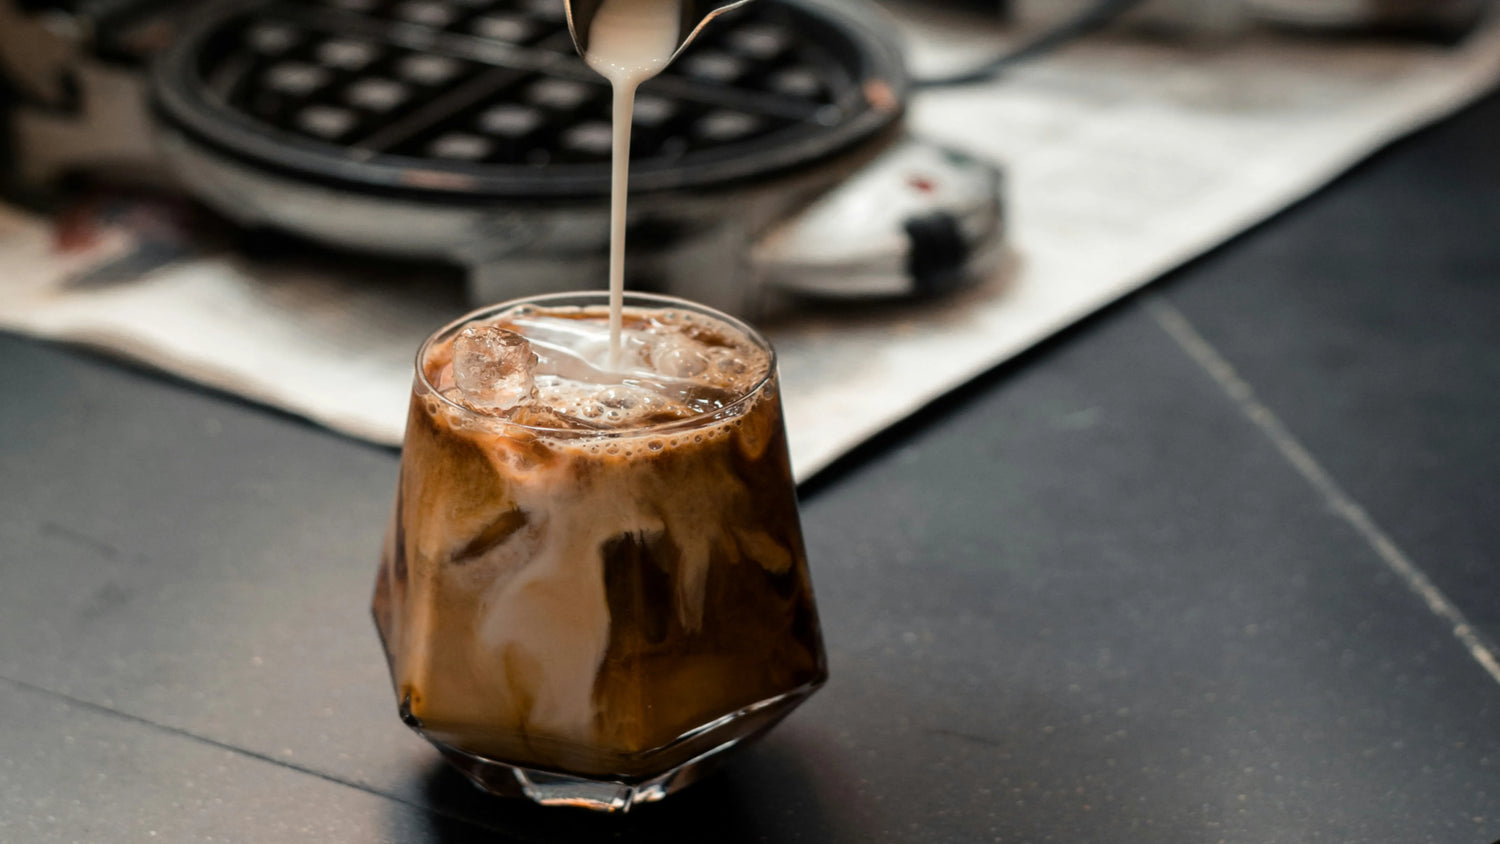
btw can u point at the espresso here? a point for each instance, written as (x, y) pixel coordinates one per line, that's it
(596, 557)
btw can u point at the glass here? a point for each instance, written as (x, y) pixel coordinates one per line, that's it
(592, 618)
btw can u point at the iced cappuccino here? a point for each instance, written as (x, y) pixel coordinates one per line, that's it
(595, 579)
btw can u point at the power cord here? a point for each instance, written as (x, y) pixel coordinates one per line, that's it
(1089, 20)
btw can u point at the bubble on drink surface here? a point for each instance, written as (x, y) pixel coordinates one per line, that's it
(493, 368)
(619, 397)
(625, 405)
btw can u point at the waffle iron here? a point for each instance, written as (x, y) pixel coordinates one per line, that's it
(768, 161)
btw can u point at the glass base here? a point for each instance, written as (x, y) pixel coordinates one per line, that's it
(619, 794)
(548, 788)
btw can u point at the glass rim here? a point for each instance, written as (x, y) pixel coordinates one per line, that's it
(578, 298)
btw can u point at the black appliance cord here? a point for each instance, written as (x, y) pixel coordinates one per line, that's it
(1091, 18)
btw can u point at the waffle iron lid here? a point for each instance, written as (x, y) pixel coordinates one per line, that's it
(474, 99)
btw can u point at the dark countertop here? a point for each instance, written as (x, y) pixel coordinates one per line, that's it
(1190, 572)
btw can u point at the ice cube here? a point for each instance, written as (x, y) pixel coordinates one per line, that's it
(682, 362)
(727, 361)
(676, 356)
(537, 416)
(493, 368)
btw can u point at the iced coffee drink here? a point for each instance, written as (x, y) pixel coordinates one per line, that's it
(594, 580)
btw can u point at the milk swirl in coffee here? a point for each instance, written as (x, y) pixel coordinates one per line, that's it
(589, 562)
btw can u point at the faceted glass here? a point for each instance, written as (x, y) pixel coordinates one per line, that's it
(593, 617)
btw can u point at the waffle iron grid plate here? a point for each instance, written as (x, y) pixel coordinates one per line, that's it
(486, 99)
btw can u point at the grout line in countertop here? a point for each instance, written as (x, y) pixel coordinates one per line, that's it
(1177, 326)
(238, 751)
